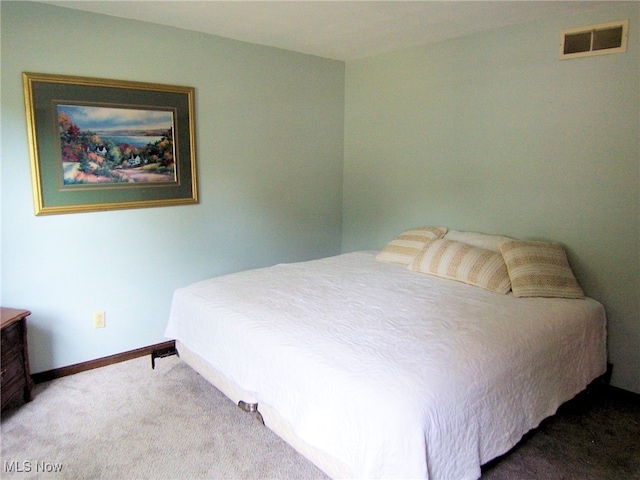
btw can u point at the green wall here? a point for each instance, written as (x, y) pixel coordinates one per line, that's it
(489, 133)
(270, 126)
(493, 133)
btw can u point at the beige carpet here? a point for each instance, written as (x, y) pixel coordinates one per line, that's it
(127, 421)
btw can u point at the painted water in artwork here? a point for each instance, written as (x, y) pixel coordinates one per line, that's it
(109, 145)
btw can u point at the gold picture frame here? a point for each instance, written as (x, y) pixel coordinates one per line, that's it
(98, 144)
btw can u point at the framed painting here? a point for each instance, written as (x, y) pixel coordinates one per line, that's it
(99, 144)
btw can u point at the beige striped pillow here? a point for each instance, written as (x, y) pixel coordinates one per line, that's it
(406, 246)
(540, 269)
(464, 263)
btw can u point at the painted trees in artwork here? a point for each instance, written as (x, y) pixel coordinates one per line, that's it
(70, 140)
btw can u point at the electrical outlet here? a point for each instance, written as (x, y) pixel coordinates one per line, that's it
(99, 320)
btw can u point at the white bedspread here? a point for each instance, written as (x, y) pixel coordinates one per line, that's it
(396, 373)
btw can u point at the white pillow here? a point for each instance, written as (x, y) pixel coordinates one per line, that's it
(481, 240)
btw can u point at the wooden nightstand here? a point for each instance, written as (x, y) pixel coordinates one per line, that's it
(14, 364)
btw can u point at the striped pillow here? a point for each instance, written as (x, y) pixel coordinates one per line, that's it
(540, 269)
(406, 246)
(464, 263)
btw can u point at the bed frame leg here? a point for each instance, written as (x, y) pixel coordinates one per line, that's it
(161, 353)
(251, 408)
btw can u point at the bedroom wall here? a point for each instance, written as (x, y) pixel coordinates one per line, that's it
(270, 151)
(493, 133)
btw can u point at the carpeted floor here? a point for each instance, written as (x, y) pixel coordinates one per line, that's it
(127, 421)
(595, 436)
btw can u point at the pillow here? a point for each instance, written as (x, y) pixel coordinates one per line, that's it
(482, 240)
(406, 246)
(464, 263)
(540, 269)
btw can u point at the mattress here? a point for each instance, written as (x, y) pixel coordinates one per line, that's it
(391, 373)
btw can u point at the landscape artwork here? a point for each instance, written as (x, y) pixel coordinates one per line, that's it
(99, 144)
(112, 145)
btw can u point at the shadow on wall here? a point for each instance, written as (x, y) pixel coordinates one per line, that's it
(37, 335)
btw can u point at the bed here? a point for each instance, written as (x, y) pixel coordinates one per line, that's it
(372, 367)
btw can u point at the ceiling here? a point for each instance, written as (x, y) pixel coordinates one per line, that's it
(341, 30)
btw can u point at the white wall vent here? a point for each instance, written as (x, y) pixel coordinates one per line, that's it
(594, 40)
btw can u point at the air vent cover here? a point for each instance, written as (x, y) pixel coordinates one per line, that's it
(594, 40)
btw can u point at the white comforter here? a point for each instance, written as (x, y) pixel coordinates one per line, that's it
(396, 373)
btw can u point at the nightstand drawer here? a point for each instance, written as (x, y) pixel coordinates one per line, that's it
(11, 337)
(13, 375)
(14, 363)
(12, 368)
